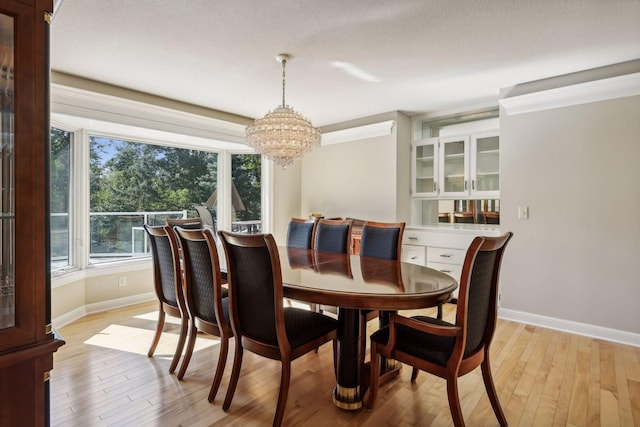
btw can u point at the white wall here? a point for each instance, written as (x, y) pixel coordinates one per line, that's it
(286, 199)
(578, 256)
(366, 179)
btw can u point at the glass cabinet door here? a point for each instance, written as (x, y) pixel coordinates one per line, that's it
(7, 174)
(454, 157)
(485, 172)
(425, 164)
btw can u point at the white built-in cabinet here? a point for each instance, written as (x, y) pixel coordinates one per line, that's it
(457, 166)
(443, 250)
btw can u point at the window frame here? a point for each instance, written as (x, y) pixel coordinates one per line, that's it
(80, 183)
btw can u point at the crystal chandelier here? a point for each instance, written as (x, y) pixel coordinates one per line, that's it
(283, 135)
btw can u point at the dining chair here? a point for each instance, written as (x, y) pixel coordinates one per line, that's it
(379, 240)
(332, 235)
(450, 350)
(167, 281)
(188, 223)
(260, 322)
(206, 299)
(300, 232)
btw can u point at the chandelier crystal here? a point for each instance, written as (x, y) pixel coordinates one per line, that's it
(283, 135)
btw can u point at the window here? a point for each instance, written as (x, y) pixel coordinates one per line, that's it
(60, 199)
(246, 194)
(134, 183)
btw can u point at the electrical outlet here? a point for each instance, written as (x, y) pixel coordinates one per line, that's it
(523, 212)
(122, 281)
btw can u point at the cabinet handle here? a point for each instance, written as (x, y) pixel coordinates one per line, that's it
(434, 186)
(465, 184)
(413, 238)
(473, 184)
(445, 271)
(445, 256)
(413, 257)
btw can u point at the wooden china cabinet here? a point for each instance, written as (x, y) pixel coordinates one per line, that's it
(27, 342)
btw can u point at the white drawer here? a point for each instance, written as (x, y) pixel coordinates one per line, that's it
(413, 254)
(411, 237)
(446, 255)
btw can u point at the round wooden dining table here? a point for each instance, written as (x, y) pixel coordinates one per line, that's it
(353, 283)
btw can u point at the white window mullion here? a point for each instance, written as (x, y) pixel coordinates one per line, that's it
(81, 184)
(224, 193)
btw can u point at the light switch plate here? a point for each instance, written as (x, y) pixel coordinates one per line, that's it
(523, 212)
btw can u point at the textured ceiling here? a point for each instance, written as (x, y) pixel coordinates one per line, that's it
(351, 58)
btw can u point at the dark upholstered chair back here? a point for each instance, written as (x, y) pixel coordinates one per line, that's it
(163, 264)
(300, 233)
(382, 240)
(332, 236)
(197, 265)
(477, 298)
(251, 267)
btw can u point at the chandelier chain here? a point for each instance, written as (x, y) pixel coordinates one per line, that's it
(284, 63)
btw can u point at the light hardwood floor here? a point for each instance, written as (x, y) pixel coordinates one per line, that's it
(102, 376)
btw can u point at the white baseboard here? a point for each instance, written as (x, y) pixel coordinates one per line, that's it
(98, 307)
(593, 331)
(69, 317)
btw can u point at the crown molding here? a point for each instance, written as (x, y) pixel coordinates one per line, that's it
(581, 93)
(99, 106)
(358, 132)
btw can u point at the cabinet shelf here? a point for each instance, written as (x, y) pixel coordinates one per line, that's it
(425, 159)
(487, 173)
(488, 152)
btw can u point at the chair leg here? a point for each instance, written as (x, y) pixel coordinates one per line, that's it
(193, 332)
(235, 373)
(285, 378)
(159, 328)
(439, 312)
(414, 374)
(184, 327)
(222, 360)
(374, 382)
(491, 391)
(454, 402)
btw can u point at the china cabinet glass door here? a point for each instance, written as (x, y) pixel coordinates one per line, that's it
(425, 168)
(486, 164)
(454, 157)
(7, 201)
